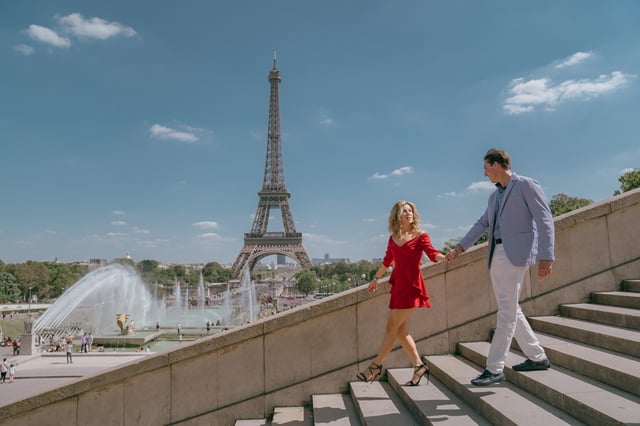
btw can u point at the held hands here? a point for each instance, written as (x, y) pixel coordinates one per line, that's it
(454, 253)
(544, 269)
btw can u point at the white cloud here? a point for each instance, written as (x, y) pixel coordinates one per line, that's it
(402, 171)
(162, 132)
(574, 59)
(118, 223)
(206, 225)
(377, 175)
(397, 172)
(626, 170)
(119, 213)
(527, 95)
(473, 188)
(209, 236)
(369, 220)
(47, 35)
(93, 28)
(24, 49)
(484, 185)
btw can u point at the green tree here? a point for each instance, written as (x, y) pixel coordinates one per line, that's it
(213, 272)
(147, 266)
(307, 281)
(562, 203)
(628, 181)
(30, 276)
(342, 276)
(61, 277)
(450, 244)
(8, 289)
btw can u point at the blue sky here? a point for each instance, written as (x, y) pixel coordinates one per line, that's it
(140, 127)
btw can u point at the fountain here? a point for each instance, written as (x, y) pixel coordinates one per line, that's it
(201, 296)
(248, 309)
(177, 293)
(91, 303)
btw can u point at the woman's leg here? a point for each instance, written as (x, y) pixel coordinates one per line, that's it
(408, 345)
(397, 320)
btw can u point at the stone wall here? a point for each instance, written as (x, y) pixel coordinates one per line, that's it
(319, 348)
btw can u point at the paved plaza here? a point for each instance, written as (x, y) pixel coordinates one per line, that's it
(39, 373)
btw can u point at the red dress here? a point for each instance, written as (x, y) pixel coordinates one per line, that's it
(407, 285)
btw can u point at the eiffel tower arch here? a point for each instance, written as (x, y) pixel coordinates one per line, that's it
(259, 242)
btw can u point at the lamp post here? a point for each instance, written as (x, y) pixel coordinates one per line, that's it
(29, 304)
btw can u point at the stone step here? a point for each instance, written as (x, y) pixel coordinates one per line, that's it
(612, 315)
(631, 285)
(290, 416)
(433, 402)
(605, 366)
(378, 405)
(500, 404)
(617, 339)
(334, 410)
(254, 422)
(585, 399)
(624, 299)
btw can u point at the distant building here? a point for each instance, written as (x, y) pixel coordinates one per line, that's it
(94, 264)
(327, 260)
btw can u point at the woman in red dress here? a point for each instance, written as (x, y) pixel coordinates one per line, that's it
(406, 244)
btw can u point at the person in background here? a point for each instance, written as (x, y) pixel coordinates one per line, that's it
(12, 371)
(4, 369)
(68, 348)
(521, 233)
(405, 247)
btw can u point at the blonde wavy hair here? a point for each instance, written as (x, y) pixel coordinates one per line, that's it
(394, 217)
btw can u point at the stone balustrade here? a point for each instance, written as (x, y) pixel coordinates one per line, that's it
(318, 348)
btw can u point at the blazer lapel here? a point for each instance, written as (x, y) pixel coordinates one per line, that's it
(510, 186)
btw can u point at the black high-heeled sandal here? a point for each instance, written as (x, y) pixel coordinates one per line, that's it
(419, 371)
(374, 370)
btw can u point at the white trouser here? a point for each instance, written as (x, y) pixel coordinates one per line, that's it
(507, 281)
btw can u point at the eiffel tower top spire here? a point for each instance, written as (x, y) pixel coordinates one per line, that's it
(274, 167)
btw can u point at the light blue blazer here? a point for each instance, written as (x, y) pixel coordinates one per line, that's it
(526, 223)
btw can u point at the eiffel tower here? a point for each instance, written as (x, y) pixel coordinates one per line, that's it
(259, 243)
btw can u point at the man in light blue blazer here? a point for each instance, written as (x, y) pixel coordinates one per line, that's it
(521, 233)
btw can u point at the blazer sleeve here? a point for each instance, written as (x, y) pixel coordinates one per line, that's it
(480, 227)
(541, 213)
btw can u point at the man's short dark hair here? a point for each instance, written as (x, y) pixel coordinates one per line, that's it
(498, 156)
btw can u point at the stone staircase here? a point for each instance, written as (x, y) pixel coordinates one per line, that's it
(594, 349)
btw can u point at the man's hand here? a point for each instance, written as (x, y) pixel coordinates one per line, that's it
(544, 269)
(453, 253)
